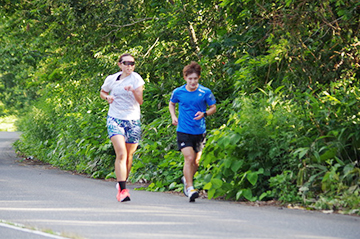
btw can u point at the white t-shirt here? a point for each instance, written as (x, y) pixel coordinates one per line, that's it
(124, 106)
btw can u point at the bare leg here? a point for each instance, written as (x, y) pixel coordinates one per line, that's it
(118, 142)
(130, 148)
(191, 164)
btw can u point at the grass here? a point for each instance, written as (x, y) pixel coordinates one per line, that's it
(7, 123)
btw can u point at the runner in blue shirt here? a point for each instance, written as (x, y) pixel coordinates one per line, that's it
(193, 100)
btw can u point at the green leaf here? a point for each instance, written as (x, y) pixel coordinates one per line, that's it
(301, 152)
(230, 139)
(278, 89)
(211, 193)
(248, 194)
(329, 154)
(172, 185)
(110, 175)
(252, 177)
(331, 97)
(236, 165)
(207, 186)
(263, 195)
(227, 162)
(288, 2)
(216, 183)
(239, 194)
(260, 171)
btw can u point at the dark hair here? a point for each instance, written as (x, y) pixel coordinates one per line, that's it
(123, 55)
(193, 67)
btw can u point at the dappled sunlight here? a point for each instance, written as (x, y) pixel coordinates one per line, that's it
(8, 123)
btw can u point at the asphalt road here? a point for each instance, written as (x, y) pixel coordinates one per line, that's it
(35, 200)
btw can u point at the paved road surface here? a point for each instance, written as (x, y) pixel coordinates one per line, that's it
(50, 200)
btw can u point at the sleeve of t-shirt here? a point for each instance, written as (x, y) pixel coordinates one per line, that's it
(107, 84)
(210, 98)
(174, 98)
(138, 81)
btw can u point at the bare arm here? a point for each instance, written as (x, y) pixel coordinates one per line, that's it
(105, 95)
(172, 113)
(210, 111)
(138, 93)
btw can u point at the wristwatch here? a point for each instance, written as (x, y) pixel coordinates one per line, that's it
(205, 114)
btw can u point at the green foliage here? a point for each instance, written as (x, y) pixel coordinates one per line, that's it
(282, 186)
(255, 144)
(285, 75)
(157, 159)
(330, 165)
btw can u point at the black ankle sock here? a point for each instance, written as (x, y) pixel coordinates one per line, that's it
(122, 184)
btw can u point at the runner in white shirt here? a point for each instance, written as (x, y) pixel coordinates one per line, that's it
(124, 93)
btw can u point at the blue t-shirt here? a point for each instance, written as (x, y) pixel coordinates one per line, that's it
(190, 102)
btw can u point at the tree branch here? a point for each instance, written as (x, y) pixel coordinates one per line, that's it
(118, 27)
(193, 37)
(133, 23)
(148, 52)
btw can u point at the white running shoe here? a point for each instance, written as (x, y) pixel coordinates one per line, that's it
(193, 194)
(183, 180)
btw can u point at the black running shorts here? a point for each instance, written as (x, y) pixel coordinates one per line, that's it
(197, 142)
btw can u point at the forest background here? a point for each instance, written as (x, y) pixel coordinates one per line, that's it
(285, 74)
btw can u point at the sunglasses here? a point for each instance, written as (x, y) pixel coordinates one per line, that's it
(128, 63)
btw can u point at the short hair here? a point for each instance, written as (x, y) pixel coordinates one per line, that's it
(193, 67)
(123, 55)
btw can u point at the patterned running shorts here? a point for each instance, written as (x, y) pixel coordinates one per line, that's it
(130, 129)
